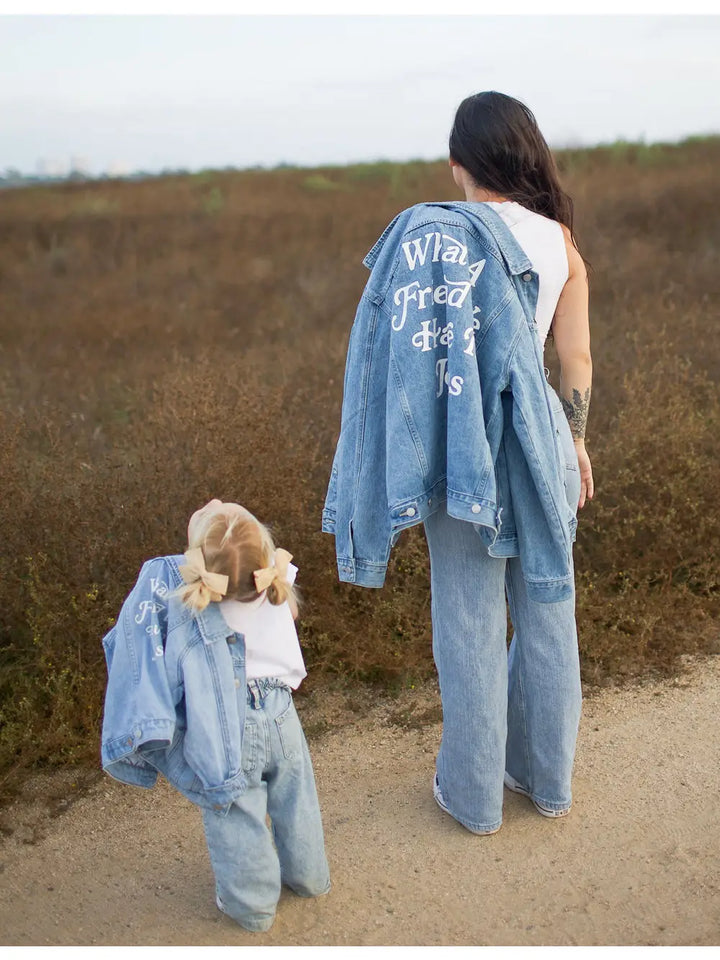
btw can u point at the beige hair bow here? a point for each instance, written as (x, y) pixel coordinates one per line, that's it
(195, 572)
(264, 577)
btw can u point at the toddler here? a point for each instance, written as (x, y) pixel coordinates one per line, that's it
(201, 666)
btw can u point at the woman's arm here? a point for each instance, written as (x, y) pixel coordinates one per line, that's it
(571, 333)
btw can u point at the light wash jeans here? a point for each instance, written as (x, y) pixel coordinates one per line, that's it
(249, 859)
(516, 711)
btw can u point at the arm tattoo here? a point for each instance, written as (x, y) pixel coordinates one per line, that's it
(577, 412)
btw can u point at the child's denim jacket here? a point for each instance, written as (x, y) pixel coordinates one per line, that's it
(446, 404)
(176, 693)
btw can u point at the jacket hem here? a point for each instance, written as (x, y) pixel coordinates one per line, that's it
(363, 573)
(550, 591)
(218, 798)
(146, 731)
(125, 772)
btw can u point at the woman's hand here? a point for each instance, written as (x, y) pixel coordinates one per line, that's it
(587, 486)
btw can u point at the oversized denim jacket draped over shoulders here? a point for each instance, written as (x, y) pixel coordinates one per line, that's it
(176, 692)
(446, 404)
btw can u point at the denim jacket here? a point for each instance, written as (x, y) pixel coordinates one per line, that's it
(446, 402)
(176, 693)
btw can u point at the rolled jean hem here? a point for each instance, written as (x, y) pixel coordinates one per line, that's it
(255, 923)
(305, 894)
(549, 805)
(477, 828)
(259, 925)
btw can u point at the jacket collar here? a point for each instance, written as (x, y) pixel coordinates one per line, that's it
(210, 621)
(515, 257)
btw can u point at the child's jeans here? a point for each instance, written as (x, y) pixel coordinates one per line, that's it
(248, 866)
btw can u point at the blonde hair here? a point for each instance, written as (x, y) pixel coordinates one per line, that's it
(235, 546)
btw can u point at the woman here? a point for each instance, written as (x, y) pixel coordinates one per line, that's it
(448, 420)
(499, 157)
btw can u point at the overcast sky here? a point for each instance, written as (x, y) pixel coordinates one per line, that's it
(134, 92)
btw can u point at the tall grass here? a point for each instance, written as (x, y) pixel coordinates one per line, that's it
(168, 341)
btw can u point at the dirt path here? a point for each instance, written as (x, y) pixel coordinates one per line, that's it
(636, 862)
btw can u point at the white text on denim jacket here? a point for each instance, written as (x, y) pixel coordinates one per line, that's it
(146, 609)
(452, 293)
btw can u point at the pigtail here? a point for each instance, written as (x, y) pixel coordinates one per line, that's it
(196, 596)
(272, 579)
(202, 585)
(280, 591)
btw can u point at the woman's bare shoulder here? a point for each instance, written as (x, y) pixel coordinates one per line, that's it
(576, 264)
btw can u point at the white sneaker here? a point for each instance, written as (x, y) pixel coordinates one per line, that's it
(443, 806)
(438, 795)
(513, 785)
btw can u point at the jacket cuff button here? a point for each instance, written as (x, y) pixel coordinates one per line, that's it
(410, 512)
(475, 508)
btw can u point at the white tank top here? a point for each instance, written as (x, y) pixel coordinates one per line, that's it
(543, 241)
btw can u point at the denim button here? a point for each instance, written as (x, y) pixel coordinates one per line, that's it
(237, 682)
(138, 732)
(430, 501)
(476, 508)
(232, 638)
(527, 276)
(410, 512)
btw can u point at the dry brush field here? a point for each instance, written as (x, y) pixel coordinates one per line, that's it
(179, 338)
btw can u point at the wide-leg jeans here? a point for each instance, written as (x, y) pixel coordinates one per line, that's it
(251, 859)
(518, 710)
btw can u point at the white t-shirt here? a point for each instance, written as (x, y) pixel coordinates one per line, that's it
(272, 648)
(543, 241)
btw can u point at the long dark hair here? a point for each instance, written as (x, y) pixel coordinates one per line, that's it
(497, 140)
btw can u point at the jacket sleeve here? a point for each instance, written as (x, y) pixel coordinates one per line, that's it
(139, 710)
(356, 506)
(541, 511)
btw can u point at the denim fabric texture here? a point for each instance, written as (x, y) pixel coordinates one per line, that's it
(249, 859)
(445, 402)
(516, 712)
(171, 701)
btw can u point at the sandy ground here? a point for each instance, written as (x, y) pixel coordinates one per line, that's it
(636, 862)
